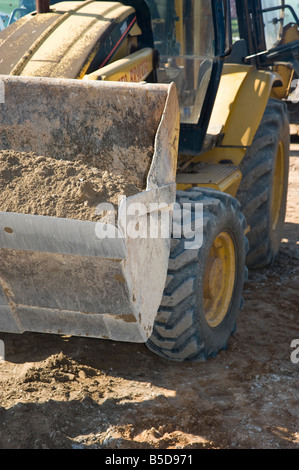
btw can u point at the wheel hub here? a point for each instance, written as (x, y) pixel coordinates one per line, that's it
(219, 279)
(277, 189)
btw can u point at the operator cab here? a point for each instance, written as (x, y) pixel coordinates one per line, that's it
(184, 36)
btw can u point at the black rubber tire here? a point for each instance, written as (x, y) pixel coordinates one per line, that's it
(181, 331)
(256, 190)
(293, 110)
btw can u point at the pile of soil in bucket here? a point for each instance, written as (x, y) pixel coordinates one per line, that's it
(38, 185)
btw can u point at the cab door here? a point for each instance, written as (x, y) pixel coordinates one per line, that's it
(275, 26)
(189, 36)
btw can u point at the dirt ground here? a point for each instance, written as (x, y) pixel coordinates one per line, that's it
(62, 392)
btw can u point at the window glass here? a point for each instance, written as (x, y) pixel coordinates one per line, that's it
(273, 21)
(288, 14)
(235, 25)
(184, 36)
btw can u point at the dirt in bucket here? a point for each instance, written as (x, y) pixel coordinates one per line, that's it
(39, 185)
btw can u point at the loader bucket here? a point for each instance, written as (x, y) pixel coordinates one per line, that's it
(58, 273)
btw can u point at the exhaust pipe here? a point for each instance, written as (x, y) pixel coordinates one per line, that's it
(42, 6)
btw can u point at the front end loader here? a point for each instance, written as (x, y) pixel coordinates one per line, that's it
(188, 98)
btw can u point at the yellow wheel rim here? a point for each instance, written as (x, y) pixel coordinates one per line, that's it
(277, 189)
(219, 279)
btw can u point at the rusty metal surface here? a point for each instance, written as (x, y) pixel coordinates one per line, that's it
(42, 6)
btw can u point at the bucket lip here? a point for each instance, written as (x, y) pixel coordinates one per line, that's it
(30, 232)
(74, 82)
(56, 235)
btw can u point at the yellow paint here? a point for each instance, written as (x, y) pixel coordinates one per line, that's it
(285, 73)
(290, 34)
(179, 27)
(240, 103)
(228, 184)
(73, 35)
(134, 68)
(278, 186)
(219, 279)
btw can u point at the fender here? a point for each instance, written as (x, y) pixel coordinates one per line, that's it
(241, 100)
